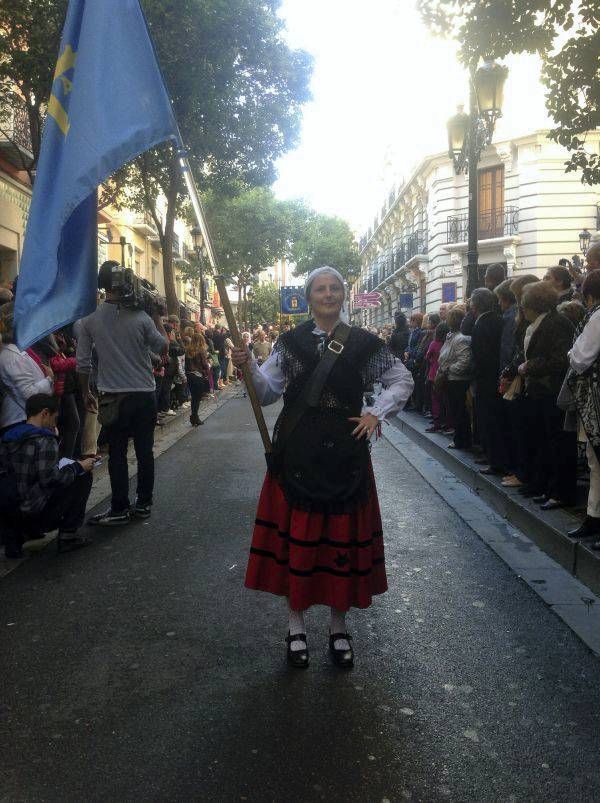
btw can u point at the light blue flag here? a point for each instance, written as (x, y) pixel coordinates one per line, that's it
(108, 105)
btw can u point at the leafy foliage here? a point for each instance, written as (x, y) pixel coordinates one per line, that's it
(236, 86)
(30, 33)
(325, 241)
(564, 33)
(250, 232)
(265, 304)
(237, 90)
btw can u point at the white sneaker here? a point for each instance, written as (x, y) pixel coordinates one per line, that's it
(170, 412)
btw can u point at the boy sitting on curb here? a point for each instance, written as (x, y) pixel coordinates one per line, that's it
(47, 497)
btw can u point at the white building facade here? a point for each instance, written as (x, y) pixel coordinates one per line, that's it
(530, 216)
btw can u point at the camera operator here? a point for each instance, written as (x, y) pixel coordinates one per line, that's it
(124, 335)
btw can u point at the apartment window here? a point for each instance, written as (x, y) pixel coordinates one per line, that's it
(491, 202)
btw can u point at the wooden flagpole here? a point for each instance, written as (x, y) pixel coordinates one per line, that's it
(221, 287)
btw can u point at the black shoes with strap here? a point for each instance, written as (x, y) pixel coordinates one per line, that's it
(342, 658)
(297, 658)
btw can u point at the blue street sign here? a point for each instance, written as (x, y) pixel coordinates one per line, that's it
(406, 301)
(293, 301)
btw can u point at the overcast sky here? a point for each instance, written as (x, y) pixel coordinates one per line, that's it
(383, 89)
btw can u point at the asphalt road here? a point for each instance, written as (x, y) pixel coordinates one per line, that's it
(140, 669)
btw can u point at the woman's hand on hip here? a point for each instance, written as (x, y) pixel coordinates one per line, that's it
(365, 425)
(240, 357)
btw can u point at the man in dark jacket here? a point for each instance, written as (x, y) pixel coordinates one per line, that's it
(48, 497)
(508, 308)
(485, 344)
(399, 339)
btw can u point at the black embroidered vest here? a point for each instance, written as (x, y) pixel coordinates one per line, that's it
(321, 466)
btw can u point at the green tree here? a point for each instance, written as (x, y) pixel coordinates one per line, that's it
(29, 38)
(237, 90)
(265, 304)
(250, 231)
(322, 241)
(30, 32)
(564, 33)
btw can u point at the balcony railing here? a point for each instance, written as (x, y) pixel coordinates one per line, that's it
(15, 135)
(502, 222)
(404, 250)
(176, 245)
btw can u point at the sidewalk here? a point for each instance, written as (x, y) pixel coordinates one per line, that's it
(547, 530)
(172, 430)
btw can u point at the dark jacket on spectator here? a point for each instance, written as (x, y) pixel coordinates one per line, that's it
(399, 343)
(507, 342)
(413, 342)
(485, 344)
(546, 356)
(32, 453)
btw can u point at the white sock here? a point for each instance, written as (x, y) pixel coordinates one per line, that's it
(338, 625)
(297, 626)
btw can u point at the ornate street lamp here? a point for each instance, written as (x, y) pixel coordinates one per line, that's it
(201, 252)
(468, 135)
(458, 129)
(489, 88)
(584, 241)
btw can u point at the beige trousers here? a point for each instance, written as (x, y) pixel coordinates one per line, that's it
(593, 506)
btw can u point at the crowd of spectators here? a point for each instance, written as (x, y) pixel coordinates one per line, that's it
(50, 432)
(514, 376)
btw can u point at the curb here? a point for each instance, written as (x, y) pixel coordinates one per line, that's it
(548, 532)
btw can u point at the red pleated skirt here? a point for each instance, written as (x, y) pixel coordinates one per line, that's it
(317, 558)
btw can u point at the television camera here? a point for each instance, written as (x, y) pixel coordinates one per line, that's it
(133, 291)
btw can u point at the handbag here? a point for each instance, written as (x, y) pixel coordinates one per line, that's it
(440, 383)
(214, 359)
(514, 389)
(109, 407)
(320, 461)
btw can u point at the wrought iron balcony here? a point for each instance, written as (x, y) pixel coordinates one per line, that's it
(15, 136)
(404, 250)
(144, 224)
(502, 222)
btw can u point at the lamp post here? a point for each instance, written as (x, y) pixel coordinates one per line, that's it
(584, 241)
(351, 279)
(201, 253)
(250, 297)
(468, 135)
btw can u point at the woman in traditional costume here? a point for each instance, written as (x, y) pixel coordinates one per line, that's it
(318, 537)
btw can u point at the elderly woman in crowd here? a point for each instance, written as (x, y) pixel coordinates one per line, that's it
(573, 310)
(21, 376)
(518, 407)
(421, 400)
(436, 394)
(455, 370)
(559, 279)
(584, 383)
(546, 345)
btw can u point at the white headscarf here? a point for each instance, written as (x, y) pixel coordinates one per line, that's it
(326, 269)
(317, 272)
